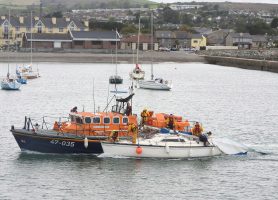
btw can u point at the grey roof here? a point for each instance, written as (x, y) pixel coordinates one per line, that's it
(182, 35)
(94, 35)
(164, 34)
(48, 37)
(258, 38)
(202, 30)
(197, 36)
(240, 35)
(60, 22)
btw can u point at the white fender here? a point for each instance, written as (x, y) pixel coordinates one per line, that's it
(86, 142)
(167, 148)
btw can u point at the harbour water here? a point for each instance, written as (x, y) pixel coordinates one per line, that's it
(232, 103)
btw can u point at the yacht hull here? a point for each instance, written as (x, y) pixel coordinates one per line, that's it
(152, 151)
(152, 85)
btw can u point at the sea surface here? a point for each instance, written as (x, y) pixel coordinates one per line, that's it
(233, 103)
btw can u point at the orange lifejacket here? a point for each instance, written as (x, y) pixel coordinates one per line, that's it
(197, 130)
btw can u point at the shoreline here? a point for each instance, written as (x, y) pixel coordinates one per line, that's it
(144, 57)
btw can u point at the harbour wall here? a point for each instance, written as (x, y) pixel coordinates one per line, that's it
(253, 64)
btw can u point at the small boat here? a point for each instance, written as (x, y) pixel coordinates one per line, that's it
(162, 146)
(9, 83)
(158, 83)
(115, 79)
(137, 73)
(28, 73)
(19, 78)
(81, 132)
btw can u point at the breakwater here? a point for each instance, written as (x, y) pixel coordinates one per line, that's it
(264, 60)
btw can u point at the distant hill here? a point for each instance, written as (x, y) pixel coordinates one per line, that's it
(247, 6)
(98, 3)
(19, 2)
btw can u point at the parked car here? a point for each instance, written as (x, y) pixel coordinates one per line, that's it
(164, 49)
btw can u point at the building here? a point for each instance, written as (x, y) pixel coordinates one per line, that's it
(47, 41)
(165, 38)
(145, 43)
(94, 39)
(198, 41)
(185, 6)
(242, 40)
(18, 26)
(218, 38)
(182, 39)
(259, 41)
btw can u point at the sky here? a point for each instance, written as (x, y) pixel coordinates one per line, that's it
(241, 1)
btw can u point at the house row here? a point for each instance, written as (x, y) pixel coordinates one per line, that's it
(88, 40)
(227, 37)
(12, 29)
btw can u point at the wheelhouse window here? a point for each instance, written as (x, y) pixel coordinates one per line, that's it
(88, 120)
(116, 120)
(96, 120)
(79, 120)
(125, 120)
(106, 120)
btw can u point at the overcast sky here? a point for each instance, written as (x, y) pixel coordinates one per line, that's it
(242, 1)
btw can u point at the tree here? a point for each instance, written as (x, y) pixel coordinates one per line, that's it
(170, 16)
(274, 23)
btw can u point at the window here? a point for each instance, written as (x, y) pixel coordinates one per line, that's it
(125, 120)
(113, 42)
(171, 140)
(28, 29)
(88, 120)
(195, 41)
(96, 42)
(96, 120)
(61, 30)
(17, 28)
(78, 43)
(79, 120)
(116, 120)
(106, 120)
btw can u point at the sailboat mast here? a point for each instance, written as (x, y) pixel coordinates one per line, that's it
(152, 47)
(138, 41)
(31, 38)
(116, 53)
(9, 43)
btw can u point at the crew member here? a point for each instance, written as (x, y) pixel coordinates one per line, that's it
(74, 109)
(197, 129)
(114, 136)
(128, 109)
(170, 122)
(132, 128)
(144, 116)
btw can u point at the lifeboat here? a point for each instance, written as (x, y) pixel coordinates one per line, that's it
(159, 120)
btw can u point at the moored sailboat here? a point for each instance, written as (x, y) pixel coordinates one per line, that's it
(158, 83)
(137, 73)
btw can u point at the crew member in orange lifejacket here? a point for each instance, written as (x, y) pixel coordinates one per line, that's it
(144, 116)
(132, 128)
(114, 136)
(197, 130)
(171, 122)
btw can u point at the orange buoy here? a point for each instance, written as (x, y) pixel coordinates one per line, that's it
(139, 150)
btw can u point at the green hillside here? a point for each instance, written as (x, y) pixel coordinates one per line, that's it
(18, 2)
